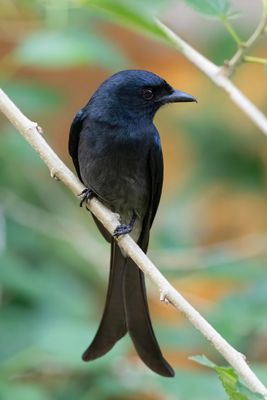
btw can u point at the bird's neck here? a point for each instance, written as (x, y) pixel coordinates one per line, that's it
(119, 114)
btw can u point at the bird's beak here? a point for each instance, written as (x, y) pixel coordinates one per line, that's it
(178, 97)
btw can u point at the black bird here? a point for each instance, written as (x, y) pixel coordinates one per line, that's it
(116, 151)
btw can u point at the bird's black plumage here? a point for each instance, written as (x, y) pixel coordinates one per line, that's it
(117, 154)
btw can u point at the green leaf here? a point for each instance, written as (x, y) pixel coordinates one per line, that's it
(153, 7)
(132, 15)
(67, 49)
(203, 360)
(212, 8)
(229, 379)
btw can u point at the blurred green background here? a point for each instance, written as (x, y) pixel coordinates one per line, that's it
(210, 234)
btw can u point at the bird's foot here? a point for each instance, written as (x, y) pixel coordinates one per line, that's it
(86, 195)
(123, 229)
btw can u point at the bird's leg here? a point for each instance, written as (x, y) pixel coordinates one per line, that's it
(86, 195)
(123, 228)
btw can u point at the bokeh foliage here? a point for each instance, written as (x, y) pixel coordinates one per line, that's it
(53, 263)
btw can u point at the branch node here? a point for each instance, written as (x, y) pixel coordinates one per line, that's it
(163, 296)
(243, 356)
(225, 70)
(243, 45)
(39, 129)
(53, 171)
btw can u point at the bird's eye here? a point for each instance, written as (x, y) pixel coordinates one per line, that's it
(148, 94)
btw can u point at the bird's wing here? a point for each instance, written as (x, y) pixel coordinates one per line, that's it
(136, 306)
(156, 177)
(74, 138)
(155, 167)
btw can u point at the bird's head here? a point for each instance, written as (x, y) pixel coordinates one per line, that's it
(137, 93)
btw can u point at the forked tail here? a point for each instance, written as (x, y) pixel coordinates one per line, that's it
(126, 309)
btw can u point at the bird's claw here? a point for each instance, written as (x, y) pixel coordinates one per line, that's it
(122, 230)
(85, 196)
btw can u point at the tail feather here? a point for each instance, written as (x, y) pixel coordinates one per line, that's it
(139, 322)
(113, 324)
(126, 309)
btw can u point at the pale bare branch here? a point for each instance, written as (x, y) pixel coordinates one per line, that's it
(216, 74)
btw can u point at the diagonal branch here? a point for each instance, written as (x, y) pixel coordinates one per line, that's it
(31, 132)
(216, 74)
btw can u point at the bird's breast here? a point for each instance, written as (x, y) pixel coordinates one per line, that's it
(115, 167)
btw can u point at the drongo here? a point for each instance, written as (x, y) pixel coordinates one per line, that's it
(117, 154)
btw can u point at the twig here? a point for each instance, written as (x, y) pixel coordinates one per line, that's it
(230, 65)
(30, 131)
(215, 73)
(232, 32)
(255, 60)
